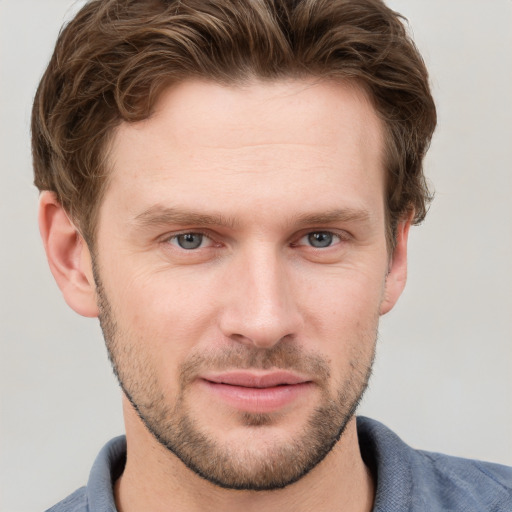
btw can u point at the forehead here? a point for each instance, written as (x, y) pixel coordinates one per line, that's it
(262, 141)
(203, 113)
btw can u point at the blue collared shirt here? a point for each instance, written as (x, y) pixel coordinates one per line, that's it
(407, 480)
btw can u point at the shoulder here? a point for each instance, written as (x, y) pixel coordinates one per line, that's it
(416, 480)
(98, 495)
(475, 484)
(76, 502)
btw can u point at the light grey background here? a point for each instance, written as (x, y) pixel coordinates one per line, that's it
(443, 374)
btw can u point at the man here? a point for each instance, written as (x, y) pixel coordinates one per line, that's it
(229, 187)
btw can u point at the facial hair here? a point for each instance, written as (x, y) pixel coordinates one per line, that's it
(174, 427)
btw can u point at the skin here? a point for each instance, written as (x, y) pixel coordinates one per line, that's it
(254, 169)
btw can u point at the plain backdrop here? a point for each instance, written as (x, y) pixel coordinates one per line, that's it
(443, 376)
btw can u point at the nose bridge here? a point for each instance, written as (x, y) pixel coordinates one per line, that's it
(262, 310)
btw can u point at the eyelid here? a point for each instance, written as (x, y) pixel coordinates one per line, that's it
(342, 236)
(173, 236)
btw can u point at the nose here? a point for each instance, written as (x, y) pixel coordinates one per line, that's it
(261, 309)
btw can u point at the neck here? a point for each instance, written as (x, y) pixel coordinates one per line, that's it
(155, 480)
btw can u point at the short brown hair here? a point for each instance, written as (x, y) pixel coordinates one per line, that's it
(113, 59)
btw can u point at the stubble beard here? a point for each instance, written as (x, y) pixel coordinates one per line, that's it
(257, 469)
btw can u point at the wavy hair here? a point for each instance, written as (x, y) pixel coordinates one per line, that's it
(114, 58)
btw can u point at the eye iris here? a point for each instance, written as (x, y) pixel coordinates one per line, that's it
(190, 240)
(320, 239)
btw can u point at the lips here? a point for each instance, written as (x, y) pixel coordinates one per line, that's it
(256, 392)
(255, 380)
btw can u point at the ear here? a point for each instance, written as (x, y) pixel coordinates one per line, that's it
(68, 256)
(397, 272)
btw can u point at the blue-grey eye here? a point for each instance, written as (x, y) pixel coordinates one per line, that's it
(189, 241)
(320, 239)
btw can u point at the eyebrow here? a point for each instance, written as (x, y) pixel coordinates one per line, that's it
(162, 216)
(159, 215)
(338, 215)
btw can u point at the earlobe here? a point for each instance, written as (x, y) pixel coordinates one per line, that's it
(68, 256)
(397, 274)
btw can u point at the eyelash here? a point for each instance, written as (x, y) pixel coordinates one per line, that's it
(184, 233)
(330, 234)
(333, 236)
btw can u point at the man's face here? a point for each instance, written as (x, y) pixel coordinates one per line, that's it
(241, 267)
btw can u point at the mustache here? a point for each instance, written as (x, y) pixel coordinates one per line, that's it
(283, 356)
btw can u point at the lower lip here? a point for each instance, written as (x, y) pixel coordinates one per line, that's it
(258, 400)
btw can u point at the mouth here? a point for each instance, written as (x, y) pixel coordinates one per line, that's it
(257, 392)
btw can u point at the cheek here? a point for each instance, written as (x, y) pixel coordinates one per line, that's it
(343, 314)
(343, 296)
(166, 312)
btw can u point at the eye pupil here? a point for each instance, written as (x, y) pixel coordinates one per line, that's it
(190, 240)
(320, 239)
